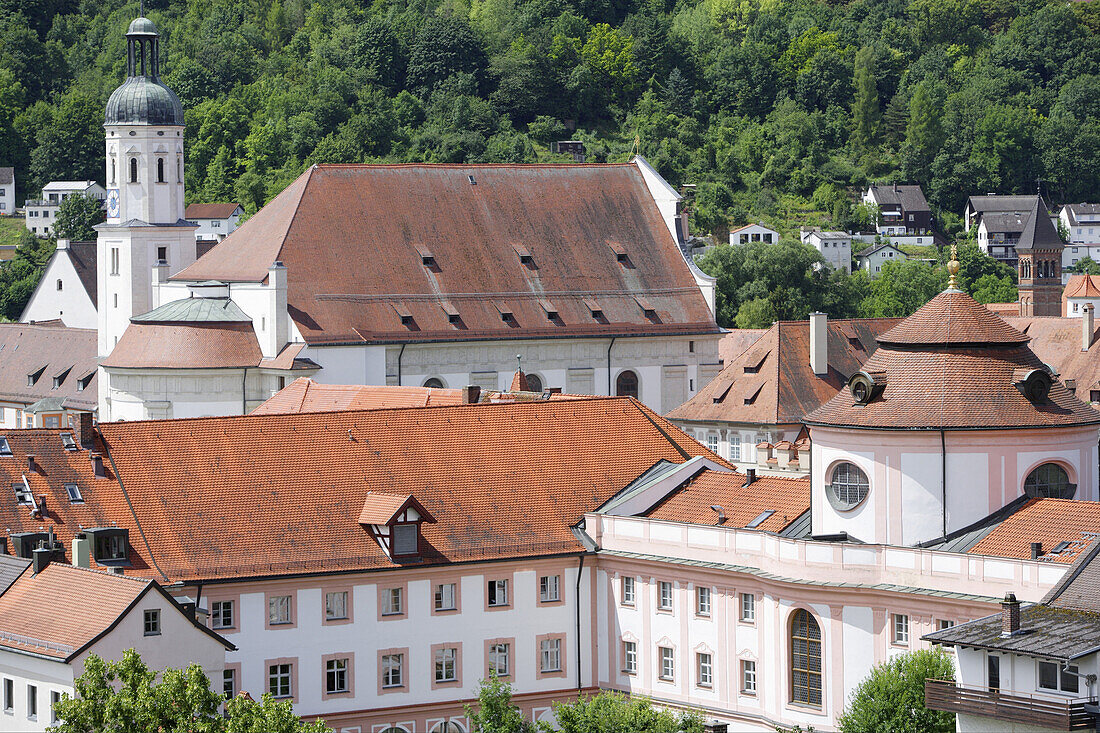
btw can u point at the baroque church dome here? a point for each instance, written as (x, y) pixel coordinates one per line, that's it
(143, 99)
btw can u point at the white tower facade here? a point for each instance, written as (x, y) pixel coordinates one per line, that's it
(145, 194)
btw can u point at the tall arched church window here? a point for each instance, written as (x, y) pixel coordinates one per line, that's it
(133, 170)
(805, 659)
(1049, 481)
(160, 170)
(626, 384)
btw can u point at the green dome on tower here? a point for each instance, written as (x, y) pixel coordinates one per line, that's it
(143, 99)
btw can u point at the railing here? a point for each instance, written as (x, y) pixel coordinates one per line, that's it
(1049, 712)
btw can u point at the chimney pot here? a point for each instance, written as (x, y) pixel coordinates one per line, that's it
(819, 344)
(40, 559)
(1087, 326)
(750, 476)
(1036, 550)
(30, 463)
(82, 551)
(85, 430)
(1010, 615)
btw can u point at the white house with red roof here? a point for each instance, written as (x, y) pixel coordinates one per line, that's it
(754, 233)
(215, 221)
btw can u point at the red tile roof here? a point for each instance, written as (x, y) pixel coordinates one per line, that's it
(787, 497)
(343, 287)
(381, 508)
(1058, 341)
(952, 317)
(181, 345)
(772, 383)
(519, 382)
(1049, 521)
(210, 211)
(281, 494)
(26, 348)
(305, 395)
(737, 341)
(1082, 286)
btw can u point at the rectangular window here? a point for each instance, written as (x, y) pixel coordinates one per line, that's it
(446, 668)
(704, 669)
(405, 539)
(278, 680)
(445, 597)
(664, 598)
(945, 624)
(229, 683)
(152, 622)
(702, 601)
(393, 672)
(392, 602)
(75, 497)
(748, 677)
(748, 607)
(498, 660)
(336, 605)
(993, 672)
(550, 655)
(498, 592)
(712, 442)
(548, 589)
(1094, 395)
(735, 448)
(221, 614)
(9, 695)
(278, 611)
(114, 260)
(668, 663)
(628, 590)
(5, 448)
(1053, 677)
(55, 698)
(901, 628)
(32, 701)
(162, 254)
(336, 676)
(630, 657)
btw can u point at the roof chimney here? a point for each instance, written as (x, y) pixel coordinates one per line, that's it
(31, 467)
(715, 726)
(84, 430)
(97, 466)
(82, 551)
(1010, 615)
(40, 559)
(750, 476)
(1086, 326)
(470, 394)
(819, 343)
(62, 244)
(1036, 550)
(895, 187)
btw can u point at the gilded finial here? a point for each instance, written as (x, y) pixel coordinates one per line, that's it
(953, 268)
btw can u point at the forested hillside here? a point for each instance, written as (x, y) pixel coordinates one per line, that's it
(768, 105)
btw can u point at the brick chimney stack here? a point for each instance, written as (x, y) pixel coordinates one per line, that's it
(1087, 326)
(84, 430)
(1010, 615)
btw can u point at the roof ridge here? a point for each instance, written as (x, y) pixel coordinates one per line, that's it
(460, 166)
(105, 574)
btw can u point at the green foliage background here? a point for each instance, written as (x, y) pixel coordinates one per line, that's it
(754, 100)
(891, 698)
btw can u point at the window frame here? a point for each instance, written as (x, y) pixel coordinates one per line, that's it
(331, 673)
(218, 613)
(630, 657)
(493, 657)
(704, 669)
(446, 653)
(1060, 678)
(801, 619)
(666, 659)
(289, 675)
(437, 597)
(748, 677)
(348, 605)
(628, 590)
(386, 611)
(899, 629)
(703, 601)
(494, 588)
(550, 648)
(666, 605)
(747, 608)
(858, 482)
(273, 596)
(401, 655)
(545, 595)
(151, 622)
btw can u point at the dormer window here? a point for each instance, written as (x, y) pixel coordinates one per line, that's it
(619, 252)
(524, 254)
(60, 377)
(505, 311)
(453, 316)
(5, 447)
(67, 441)
(406, 539)
(23, 494)
(594, 308)
(83, 382)
(549, 308)
(32, 377)
(426, 257)
(394, 521)
(110, 545)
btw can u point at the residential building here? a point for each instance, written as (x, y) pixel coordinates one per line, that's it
(48, 376)
(1040, 249)
(1000, 222)
(754, 233)
(978, 207)
(7, 191)
(1080, 290)
(66, 291)
(874, 257)
(752, 413)
(1033, 666)
(41, 214)
(53, 617)
(835, 247)
(1082, 223)
(215, 221)
(903, 210)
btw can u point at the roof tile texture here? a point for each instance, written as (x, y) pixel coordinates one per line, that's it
(26, 348)
(215, 345)
(787, 497)
(305, 395)
(953, 317)
(1049, 521)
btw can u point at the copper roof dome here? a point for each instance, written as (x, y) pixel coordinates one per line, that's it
(143, 99)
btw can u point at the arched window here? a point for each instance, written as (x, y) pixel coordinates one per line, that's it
(160, 170)
(626, 384)
(805, 659)
(394, 729)
(133, 170)
(434, 382)
(848, 486)
(60, 285)
(447, 726)
(1049, 481)
(534, 383)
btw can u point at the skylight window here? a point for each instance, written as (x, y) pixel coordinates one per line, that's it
(74, 493)
(67, 441)
(760, 519)
(23, 494)
(5, 449)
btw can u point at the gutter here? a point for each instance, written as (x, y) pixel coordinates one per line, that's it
(580, 573)
(244, 391)
(943, 479)
(399, 355)
(610, 387)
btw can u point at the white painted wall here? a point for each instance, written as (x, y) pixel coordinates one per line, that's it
(7, 198)
(71, 303)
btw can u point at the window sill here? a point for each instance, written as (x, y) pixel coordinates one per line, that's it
(152, 633)
(498, 606)
(445, 682)
(702, 615)
(337, 619)
(669, 611)
(899, 644)
(555, 602)
(805, 706)
(704, 685)
(395, 688)
(626, 604)
(280, 623)
(748, 693)
(338, 692)
(444, 610)
(747, 622)
(670, 680)
(630, 672)
(388, 615)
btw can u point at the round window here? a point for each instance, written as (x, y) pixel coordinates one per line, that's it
(847, 487)
(1049, 481)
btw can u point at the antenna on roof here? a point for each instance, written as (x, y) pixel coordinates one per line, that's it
(519, 362)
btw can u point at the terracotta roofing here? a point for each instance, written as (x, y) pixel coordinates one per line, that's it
(11, 567)
(1082, 286)
(1057, 342)
(952, 317)
(772, 382)
(476, 220)
(787, 498)
(909, 196)
(1004, 310)
(34, 354)
(734, 343)
(217, 345)
(210, 211)
(1039, 232)
(1049, 521)
(240, 497)
(519, 382)
(382, 508)
(306, 395)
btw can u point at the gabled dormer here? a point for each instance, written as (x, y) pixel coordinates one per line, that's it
(394, 520)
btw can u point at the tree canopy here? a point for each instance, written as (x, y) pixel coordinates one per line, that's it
(891, 698)
(77, 216)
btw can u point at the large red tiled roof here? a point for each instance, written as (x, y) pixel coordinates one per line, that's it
(1050, 521)
(306, 395)
(771, 382)
(282, 494)
(48, 350)
(63, 608)
(1057, 342)
(1082, 286)
(787, 497)
(537, 241)
(952, 317)
(734, 343)
(184, 345)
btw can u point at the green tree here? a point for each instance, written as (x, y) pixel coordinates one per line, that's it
(614, 712)
(866, 113)
(125, 695)
(756, 313)
(993, 289)
(901, 288)
(923, 135)
(77, 216)
(1086, 266)
(891, 698)
(445, 46)
(495, 712)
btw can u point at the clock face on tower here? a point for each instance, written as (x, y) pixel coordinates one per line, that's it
(112, 203)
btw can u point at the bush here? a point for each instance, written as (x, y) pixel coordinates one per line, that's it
(891, 698)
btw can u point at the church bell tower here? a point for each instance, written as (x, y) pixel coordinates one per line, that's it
(1039, 268)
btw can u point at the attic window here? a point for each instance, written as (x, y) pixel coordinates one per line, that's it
(23, 494)
(60, 377)
(593, 308)
(505, 311)
(721, 395)
(760, 519)
(5, 448)
(646, 306)
(404, 313)
(451, 311)
(524, 254)
(84, 381)
(32, 377)
(548, 307)
(406, 539)
(753, 366)
(426, 257)
(751, 399)
(73, 491)
(620, 253)
(109, 544)
(67, 441)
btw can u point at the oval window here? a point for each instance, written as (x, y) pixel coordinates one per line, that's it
(847, 487)
(1049, 481)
